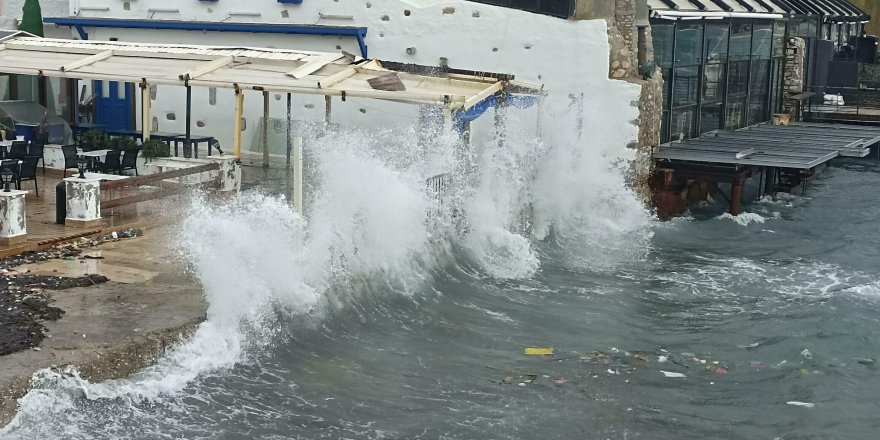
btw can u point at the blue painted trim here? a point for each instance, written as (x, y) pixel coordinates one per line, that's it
(360, 33)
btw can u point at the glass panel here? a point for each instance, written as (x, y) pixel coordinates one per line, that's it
(759, 89)
(4, 87)
(685, 86)
(778, 38)
(761, 41)
(710, 119)
(664, 124)
(105, 89)
(663, 36)
(734, 114)
(716, 43)
(738, 79)
(826, 31)
(28, 88)
(714, 82)
(688, 44)
(667, 91)
(740, 41)
(683, 123)
(120, 90)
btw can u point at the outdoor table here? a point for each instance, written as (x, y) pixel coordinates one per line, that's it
(94, 155)
(196, 140)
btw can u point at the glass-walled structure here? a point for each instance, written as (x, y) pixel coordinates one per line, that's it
(556, 8)
(719, 73)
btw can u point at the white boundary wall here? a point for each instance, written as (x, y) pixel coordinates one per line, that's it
(568, 57)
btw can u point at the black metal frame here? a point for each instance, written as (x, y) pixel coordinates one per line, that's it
(772, 87)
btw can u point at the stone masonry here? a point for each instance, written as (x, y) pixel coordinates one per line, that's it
(793, 76)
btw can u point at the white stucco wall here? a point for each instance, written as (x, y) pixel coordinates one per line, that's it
(569, 57)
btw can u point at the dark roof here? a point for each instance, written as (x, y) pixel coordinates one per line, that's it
(833, 10)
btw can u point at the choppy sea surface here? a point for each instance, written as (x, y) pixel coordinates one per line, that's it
(366, 322)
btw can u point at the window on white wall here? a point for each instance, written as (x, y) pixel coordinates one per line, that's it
(212, 95)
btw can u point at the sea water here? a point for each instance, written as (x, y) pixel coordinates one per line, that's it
(368, 319)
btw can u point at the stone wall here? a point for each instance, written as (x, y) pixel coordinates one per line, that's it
(793, 76)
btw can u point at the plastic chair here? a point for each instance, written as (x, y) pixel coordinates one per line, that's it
(37, 149)
(111, 164)
(129, 161)
(28, 172)
(70, 158)
(19, 150)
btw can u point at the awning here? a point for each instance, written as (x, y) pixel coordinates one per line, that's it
(830, 10)
(674, 9)
(246, 68)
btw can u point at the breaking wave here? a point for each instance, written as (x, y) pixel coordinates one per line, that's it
(370, 229)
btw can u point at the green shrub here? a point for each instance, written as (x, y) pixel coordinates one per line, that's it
(155, 148)
(125, 143)
(97, 140)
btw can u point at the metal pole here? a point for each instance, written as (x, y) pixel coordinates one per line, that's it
(298, 175)
(187, 146)
(327, 110)
(265, 128)
(735, 196)
(289, 125)
(239, 111)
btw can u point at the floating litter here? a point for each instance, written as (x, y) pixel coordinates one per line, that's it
(535, 351)
(802, 404)
(672, 374)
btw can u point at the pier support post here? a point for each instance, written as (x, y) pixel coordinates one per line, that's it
(229, 174)
(83, 202)
(13, 218)
(146, 113)
(735, 198)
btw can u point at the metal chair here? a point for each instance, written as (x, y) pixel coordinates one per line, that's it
(70, 158)
(37, 149)
(111, 164)
(28, 172)
(19, 150)
(129, 161)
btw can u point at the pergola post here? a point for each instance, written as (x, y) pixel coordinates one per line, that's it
(265, 128)
(146, 106)
(239, 111)
(298, 175)
(289, 126)
(187, 147)
(328, 103)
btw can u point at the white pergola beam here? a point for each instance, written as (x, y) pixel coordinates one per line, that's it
(87, 61)
(207, 68)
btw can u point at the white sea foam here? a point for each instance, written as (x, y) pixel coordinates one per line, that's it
(367, 219)
(744, 219)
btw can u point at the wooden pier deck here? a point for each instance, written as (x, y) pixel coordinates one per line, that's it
(43, 232)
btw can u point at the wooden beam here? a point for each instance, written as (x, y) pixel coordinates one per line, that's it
(338, 77)
(314, 65)
(207, 68)
(146, 107)
(239, 112)
(88, 61)
(485, 93)
(150, 178)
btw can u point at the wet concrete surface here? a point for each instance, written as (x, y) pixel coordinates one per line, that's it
(113, 329)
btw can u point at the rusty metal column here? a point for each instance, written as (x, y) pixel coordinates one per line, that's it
(187, 146)
(265, 128)
(239, 114)
(735, 198)
(289, 127)
(328, 103)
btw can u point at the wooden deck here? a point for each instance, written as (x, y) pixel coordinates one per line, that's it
(44, 233)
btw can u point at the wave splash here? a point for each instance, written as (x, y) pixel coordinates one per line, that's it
(368, 220)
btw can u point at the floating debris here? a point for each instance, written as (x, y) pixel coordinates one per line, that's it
(801, 404)
(672, 374)
(536, 351)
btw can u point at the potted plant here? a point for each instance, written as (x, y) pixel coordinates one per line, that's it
(95, 140)
(154, 148)
(125, 143)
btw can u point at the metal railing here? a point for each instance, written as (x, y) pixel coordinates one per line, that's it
(844, 104)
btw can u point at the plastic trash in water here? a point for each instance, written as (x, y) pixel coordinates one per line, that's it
(662, 359)
(807, 354)
(537, 351)
(114, 235)
(801, 404)
(672, 374)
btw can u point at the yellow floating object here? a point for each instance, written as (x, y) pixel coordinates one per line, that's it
(534, 351)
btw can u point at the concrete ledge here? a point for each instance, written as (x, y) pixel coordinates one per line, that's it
(84, 224)
(14, 240)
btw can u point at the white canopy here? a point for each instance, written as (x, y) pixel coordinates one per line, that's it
(243, 68)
